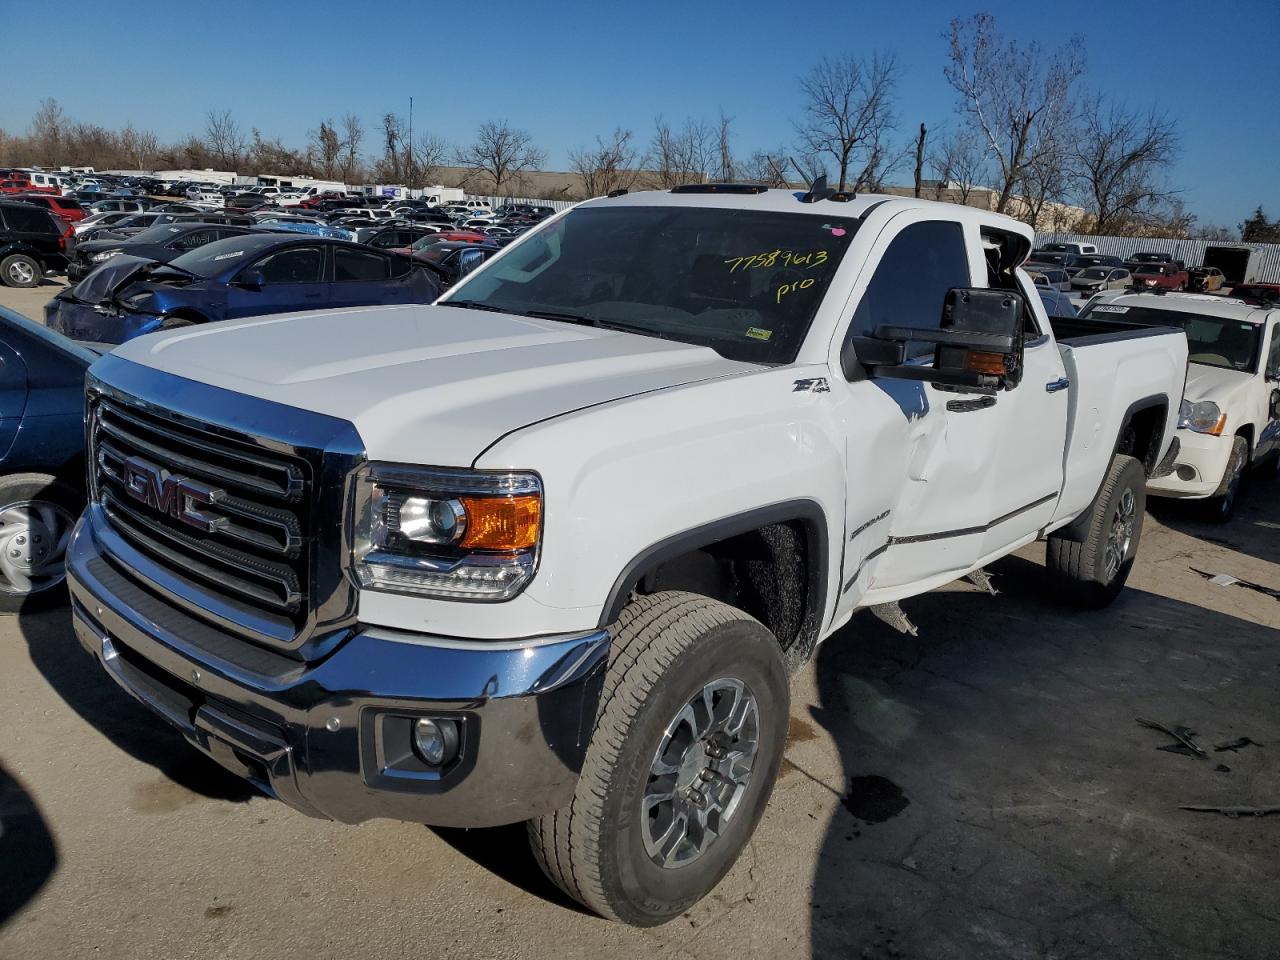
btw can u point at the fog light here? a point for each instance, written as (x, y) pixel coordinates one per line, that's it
(436, 741)
(1186, 473)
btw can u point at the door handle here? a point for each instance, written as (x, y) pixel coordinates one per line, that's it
(1053, 386)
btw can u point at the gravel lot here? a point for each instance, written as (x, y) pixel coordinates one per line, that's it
(982, 790)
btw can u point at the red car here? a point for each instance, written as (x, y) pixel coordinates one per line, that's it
(312, 202)
(18, 186)
(1160, 276)
(65, 207)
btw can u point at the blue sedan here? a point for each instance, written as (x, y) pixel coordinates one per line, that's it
(238, 277)
(41, 459)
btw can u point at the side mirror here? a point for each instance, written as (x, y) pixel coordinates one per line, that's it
(1275, 404)
(251, 280)
(978, 345)
(468, 260)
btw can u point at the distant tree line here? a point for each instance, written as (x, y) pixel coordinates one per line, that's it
(1027, 138)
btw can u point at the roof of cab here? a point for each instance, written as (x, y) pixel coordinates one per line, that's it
(790, 201)
(1202, 303)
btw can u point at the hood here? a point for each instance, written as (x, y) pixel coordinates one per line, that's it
(108, 279)
(1214, 383)
(427, 384)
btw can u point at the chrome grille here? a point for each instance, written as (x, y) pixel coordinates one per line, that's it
(247, 545)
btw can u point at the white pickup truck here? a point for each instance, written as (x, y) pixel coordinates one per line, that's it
(1230, 415)
(546, 551)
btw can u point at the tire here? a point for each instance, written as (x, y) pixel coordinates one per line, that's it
(37, 513)
(668, 649)
(1221, 507)
(1088, 566)
(176, 323)
(19, 270)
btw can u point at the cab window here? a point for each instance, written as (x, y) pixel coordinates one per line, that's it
(911, 281)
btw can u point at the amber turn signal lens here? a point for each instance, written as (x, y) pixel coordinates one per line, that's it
(502, 523)
(992, 363)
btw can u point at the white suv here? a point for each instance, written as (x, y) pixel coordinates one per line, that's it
(1230, 416)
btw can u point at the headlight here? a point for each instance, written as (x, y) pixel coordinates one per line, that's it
(99, 257)
(1202, 417)
(450, 534)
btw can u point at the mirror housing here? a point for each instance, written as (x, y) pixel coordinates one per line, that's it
(251, 280)
(978, 345)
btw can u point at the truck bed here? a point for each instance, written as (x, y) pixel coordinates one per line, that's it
(1086, 331)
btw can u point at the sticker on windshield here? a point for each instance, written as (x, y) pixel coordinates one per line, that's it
(755, 333)
(228, 256)
(835, 228)
(1109, 308)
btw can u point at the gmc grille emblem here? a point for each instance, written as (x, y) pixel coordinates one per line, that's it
(177, 497)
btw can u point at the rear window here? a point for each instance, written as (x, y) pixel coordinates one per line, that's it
(28, 219)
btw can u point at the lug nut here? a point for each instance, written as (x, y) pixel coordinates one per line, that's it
(697, 796)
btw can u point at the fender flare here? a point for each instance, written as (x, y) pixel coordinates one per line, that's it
(1078, 529)
(806, 511)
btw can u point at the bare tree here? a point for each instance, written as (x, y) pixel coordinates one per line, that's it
(609, 166)
(959, 164)
(430, 153)
(1120, 156)
(501, 155)
(767, 167)
(920, 158)
(325, 149)
(680, 156)
(725, 147)
(1018, 97)
(48, 127)
(352, 136)
(139, 147)
(224, 139)
(848, 113)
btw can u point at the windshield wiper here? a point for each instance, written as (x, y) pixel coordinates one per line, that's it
(473, 305)
(566, 317)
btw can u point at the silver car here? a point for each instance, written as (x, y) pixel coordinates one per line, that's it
(1097, 279)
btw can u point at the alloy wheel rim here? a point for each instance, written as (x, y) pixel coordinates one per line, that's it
(1120, 534)
(33, 546)
(21, 272)
(700, 772)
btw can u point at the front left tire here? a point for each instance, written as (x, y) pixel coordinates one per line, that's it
(20, 270)
(688, 739)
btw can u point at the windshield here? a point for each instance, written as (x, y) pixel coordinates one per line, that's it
(745, 283)
(1095, 273)
(1212, 341)
(156, 234)
(1150, 257)
(1153, 268)
(213, 258)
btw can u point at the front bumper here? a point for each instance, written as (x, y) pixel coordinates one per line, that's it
(83, 321)
(327, 737)
(1199, 468)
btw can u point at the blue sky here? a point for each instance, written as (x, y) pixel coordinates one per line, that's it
(567, 70)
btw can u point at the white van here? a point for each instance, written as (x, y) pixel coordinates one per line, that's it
(1082, 249)
(49, 181)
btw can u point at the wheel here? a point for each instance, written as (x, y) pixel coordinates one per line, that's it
(1221, 507)
(19, 270)
(688, 738)
(1089, 566)
(36, 516)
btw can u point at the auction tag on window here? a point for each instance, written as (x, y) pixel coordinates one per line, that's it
(1109, 308)
(755, 333)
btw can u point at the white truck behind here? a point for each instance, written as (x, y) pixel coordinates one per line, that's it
(548, 550)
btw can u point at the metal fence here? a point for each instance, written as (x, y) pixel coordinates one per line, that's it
(1190, 252)
(497, 202)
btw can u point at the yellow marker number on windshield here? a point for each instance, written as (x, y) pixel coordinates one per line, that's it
(779, 258)
(787, 288)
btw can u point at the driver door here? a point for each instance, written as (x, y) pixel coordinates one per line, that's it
(291, 279)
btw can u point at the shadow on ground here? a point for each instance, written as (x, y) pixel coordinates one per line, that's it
(1004, 803)
(28, 854)
(1255, 529)
(81, 683)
